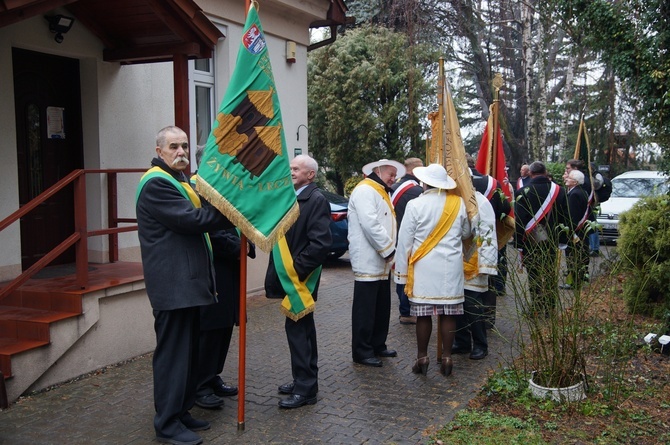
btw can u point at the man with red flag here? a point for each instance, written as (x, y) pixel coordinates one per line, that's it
(498, 190)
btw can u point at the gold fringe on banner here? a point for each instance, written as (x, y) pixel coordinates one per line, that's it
(265, 243)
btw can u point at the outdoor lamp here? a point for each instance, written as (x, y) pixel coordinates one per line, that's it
(59, 24)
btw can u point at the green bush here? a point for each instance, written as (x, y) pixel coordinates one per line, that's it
(644, 248)
(556, 170)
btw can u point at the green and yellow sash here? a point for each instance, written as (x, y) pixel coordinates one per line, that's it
(451, 206)
(183, 187)
(298, 301)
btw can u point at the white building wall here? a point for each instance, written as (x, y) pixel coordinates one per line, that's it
(124, 106)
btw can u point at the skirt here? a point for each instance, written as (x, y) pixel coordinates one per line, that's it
(426, 310)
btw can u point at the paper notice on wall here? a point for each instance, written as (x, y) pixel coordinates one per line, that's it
(55, 124)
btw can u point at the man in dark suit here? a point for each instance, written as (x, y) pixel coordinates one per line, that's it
(579, 210)
(492, 189)
(308, 241)
(217, 320)
(539, 209)
(179, 278)
(524, 176)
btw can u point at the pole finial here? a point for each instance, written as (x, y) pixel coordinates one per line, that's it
(497, 83)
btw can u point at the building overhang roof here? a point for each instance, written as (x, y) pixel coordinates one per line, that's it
(131, 31)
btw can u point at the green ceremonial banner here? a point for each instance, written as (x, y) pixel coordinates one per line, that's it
(244, 171)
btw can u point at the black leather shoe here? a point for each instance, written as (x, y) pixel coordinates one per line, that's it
(224, 390)
(210, 401)
(477, 354)
(186, 437)
(459, 350)
(195, 424)
(372, 361)
(296, 401)
(286, 388)
(387, 353)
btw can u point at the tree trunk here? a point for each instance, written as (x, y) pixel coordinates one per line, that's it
(527, 45)
(569, 82)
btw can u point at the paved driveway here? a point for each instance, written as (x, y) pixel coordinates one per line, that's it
(356, 404)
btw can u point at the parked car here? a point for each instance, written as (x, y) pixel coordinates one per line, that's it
(339, 225)
(627, 189)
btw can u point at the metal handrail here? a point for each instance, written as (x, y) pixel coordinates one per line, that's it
(81, 234)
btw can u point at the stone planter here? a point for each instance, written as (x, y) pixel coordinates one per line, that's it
(572, 393)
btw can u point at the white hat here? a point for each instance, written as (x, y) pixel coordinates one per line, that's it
(367, 168)
(434, 175)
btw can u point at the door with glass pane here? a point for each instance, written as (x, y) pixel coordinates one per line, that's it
(49, 146)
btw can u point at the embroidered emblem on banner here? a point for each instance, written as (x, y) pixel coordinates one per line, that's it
(253, 40)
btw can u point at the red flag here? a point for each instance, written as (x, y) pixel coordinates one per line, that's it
(491, 157)
(491, 161)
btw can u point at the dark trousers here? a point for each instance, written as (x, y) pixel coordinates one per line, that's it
(471, 327)
(213, 350)
(370, 314)
(496, 289)
(403, 306)
(175, 364)
(301, 336)
(577, 260)
(541, 263)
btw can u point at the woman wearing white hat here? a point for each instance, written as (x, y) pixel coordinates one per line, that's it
(429, 261)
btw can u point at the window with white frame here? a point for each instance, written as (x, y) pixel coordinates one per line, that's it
(202, 104)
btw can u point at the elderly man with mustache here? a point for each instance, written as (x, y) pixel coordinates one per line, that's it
(179, 277)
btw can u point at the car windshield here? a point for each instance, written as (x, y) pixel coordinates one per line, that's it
(637, 187)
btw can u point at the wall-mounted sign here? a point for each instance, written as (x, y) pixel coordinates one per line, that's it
(55, 124)
(297, 151)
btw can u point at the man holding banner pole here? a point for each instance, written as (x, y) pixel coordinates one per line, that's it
(294, 272)
(245, 166)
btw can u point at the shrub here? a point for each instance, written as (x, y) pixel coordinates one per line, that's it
(644, 248)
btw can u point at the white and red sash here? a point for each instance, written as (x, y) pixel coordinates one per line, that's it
(490, 188)
(402, 189)
(545, 208)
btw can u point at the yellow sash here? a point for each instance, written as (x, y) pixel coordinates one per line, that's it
(471, 267)
(381, 190)
(451, 206)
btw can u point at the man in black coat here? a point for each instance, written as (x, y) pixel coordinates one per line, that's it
(539, 209)
(217, 320)
(308, 240)
(492, 189)
(406, 189)
(577, 250)
(179, 278)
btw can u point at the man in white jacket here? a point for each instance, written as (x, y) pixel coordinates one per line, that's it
(471, 326)
(372, 240)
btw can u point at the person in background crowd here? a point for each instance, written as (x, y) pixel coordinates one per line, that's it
(372, 241)
(406, 189)
(539, 210)
(577, 247)
(524, 176)
(492, 189)
(471, 326)
(430, 261)
(308, 241)
(602, 187)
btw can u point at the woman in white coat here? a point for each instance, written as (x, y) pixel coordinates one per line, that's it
(429, 261)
